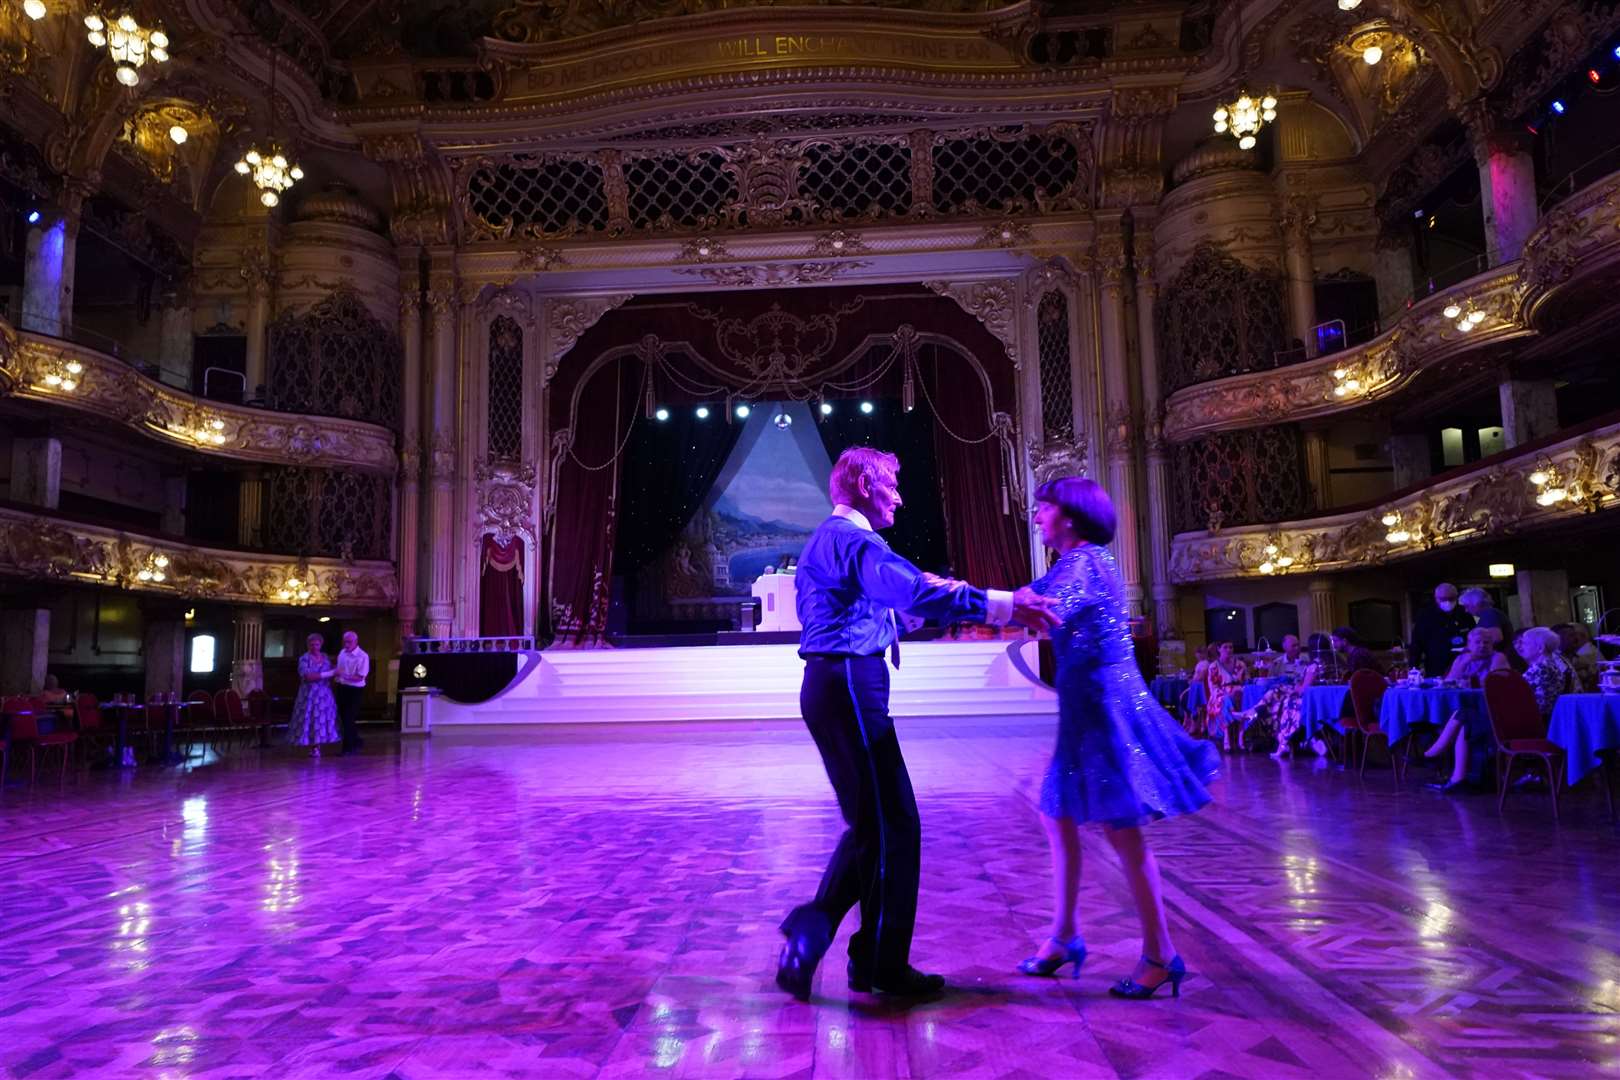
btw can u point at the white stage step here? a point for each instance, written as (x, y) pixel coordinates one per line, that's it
(748, 682)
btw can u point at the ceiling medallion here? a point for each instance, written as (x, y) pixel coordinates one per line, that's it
(129, 43)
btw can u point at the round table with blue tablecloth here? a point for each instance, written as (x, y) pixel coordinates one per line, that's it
(1404, 708)
(1323, 707)
(1584, 724)
(1197, 697)
(1167, 690)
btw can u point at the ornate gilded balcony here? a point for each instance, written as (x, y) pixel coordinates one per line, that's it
(40, 368)
(51, 548)
(1577, 242)
(1538, 488)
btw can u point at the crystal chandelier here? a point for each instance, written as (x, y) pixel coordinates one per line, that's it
(271, 170)
(129, 43)
(1244, 118)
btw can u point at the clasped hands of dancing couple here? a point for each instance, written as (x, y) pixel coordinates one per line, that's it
(1120, 760)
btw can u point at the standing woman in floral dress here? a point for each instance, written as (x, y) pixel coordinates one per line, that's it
(314, 711)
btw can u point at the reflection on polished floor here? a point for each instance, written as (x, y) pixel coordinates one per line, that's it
(583, 902)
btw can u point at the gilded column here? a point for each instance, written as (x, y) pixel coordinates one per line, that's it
(250, 509)
(1120, 443)
(439, 437)
(1324, 606)
(1298, 213)
(1165, 620)
(259, 275)
(409, 508)
(247, 653)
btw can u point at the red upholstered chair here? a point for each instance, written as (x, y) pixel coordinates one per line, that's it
(258, 712)
(93, 727)
(199, 719)
(1366, 690)
(229, 714)
(1521, 733)
(22, 721)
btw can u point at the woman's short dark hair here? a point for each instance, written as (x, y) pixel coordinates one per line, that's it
(1347, 635)
(1085, 503)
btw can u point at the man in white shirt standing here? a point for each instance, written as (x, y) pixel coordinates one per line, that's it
(353, 668)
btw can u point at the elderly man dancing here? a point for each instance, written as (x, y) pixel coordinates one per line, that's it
(849, 586)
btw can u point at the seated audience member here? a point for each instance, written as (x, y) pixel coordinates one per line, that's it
(1477, 602)
(1226, 676)
(1575, 645)
(1478, 658)
(1357, 657)
(53, 695)
(1546, 670)
(1200, 671)
(1292, 661)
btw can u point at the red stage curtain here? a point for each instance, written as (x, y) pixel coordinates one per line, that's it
(985, 532)
(580, 567)
(500, 589)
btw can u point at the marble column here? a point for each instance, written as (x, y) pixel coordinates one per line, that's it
(1298, 214)
(1507, 184)
(247, 653)
(1166, 611)
(440, 437)
(25, 642)
(1409, 454)
(1121, 436)
(259, 274)
(1392, 273)
(1316, 469)
(1543, 597)
(407, 537)
(47, 297)
(176, 341)
(165, 650)
(36, 471)
(174, 504)
(250, 509)
(1529, 409)
(1324, 611)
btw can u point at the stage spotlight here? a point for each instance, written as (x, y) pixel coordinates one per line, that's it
(33, 217)
(702, 412)
(1617, 52)
(1558, 107)
(742, 412)
(661, 414)
(782, 420)
(866, 407)
(826, 408)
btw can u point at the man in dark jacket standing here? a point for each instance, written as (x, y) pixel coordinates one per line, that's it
(1439, 632)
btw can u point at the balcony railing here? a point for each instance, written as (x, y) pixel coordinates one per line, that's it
(1534, 487)
(75, 376)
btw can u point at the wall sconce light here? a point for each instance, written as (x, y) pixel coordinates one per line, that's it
(35, 9)
(1550, 483)
(1346, 381)
(153, 569)
(1278, 558)
(208, 431)
(63, 375)
(1467, 316)
(296, 587)
(1398, 532)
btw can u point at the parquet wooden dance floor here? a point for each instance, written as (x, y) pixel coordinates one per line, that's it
(581, 902)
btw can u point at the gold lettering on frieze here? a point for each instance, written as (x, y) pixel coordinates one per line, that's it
(651, 62)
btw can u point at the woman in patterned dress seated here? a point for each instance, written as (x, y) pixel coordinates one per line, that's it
(1547, 672)
(1227, 674)
(1120, 759)
(1478, 659)
(314, 711)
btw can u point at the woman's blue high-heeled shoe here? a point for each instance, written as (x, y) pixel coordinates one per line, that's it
(1074, 952)
(1174, 971)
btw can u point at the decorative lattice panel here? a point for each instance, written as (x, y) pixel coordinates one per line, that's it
(1218, 317)
(1006, 171)
(537, 194)
(1057, 381)
(1243, 477)
(505, 389)
(335, 360)
(867, 181)
(327, 512)
(687, 191)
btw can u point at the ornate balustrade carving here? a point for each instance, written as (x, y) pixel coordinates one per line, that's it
(111, 389)
(1478, 505)
(40, 546)
(1577, 240)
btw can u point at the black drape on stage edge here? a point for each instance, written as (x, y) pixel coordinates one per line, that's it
(579, 566)
(668, 470)
(986, 533)
(919, 526)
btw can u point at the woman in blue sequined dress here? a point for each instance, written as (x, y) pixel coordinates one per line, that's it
(1120, 759)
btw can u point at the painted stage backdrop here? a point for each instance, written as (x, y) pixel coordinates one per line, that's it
(768, 498)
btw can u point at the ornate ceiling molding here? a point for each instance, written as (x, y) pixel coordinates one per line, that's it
(111, 389)
(40, 546)
(1578, 240)
(993, 303)
(1479, 505)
